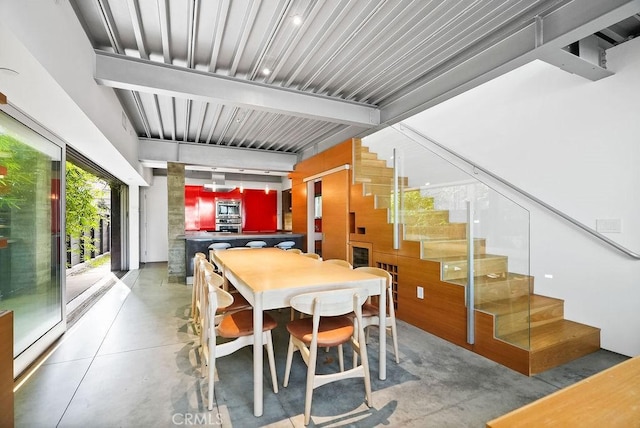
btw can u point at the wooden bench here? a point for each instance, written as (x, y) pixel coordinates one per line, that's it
(610, 398)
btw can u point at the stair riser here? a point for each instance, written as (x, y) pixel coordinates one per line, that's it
(522, 320)
(437, 249)
(371, 162)
(441, 231)
(424, 218)
(362, 155)
(458, 269)
(372, 171)
(508, 289)
(563, 353)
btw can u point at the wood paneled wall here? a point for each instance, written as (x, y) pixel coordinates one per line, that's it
(335, 191)
(6, 369)
(335, 215)
(442, 310)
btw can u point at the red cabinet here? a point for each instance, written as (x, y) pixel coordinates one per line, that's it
(259, 209)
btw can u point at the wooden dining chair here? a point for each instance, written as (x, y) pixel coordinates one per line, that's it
(371, 312)
(196, 290)
(328, 326)
(239, 302)
(339, 262)
(237, 326)
(295, 250)
(311, 255)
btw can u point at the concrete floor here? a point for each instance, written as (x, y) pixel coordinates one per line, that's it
(130, 362)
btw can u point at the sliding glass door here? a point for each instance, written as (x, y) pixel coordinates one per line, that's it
(31, 178)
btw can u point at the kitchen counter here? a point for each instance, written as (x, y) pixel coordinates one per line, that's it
(196, 242)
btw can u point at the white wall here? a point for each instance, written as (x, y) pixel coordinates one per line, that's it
(44, 42)
(154, 228)
(574, 144)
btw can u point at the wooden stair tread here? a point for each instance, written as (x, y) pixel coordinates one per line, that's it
(552, 334)
(454, 259)
(517, 304)
(489, 280)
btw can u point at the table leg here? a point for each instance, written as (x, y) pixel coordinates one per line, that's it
(382, 370)
(257, 355)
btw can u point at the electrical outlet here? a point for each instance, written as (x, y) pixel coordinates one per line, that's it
(420, 293)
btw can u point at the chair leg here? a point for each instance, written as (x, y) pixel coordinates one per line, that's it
(212, 374)
(362, 348)
(272, 362)
(287, 369)
(311, 373)
(394, 335)
(341, 358)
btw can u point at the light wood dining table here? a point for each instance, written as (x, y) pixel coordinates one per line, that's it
(269, 277)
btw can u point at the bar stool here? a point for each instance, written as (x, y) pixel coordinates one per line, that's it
(256, 244)
(217, 246)
(285, 245)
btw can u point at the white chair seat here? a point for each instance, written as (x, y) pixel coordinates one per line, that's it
(256, 244)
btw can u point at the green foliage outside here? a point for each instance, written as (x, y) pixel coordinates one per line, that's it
(17, 186)
(415, 208)
(84, 206)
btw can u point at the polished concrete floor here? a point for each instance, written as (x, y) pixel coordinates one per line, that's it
(130, 362)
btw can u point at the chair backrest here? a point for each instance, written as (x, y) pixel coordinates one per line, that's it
(376, 271)
(210, 274)
(256, 244)
(384, 274)
(196, 257)
(219, 246)
(331, 302)
(311, 255)
(295, 250)
(285, 245)
(339, 262)
(214, 298)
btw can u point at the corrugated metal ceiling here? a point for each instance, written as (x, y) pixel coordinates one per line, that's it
(347, 60)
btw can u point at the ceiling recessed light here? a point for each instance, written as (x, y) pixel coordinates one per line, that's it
(266, 71)
(297, 20)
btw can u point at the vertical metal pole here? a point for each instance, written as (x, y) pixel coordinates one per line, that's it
(470, 277)
(396, 203)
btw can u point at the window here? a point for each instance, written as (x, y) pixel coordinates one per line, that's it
(30, 231)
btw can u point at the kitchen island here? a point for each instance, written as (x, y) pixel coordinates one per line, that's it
(199, 242)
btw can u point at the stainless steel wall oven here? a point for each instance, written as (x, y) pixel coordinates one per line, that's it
(228, 215)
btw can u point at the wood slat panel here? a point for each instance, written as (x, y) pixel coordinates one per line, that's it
(496, 350)
(6, 369)
(335, 215)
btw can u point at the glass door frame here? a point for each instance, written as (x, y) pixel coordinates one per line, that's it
(35, 351)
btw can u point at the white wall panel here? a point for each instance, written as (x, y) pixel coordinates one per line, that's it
(572, 143)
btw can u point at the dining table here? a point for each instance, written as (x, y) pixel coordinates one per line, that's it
(269, 277)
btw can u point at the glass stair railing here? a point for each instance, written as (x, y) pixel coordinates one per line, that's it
(479, 237)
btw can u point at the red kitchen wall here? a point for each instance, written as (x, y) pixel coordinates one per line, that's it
(191, 216)
(259, 209)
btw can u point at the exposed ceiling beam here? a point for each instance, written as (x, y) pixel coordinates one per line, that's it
(119, 71)
(570, 23)
(153, 150)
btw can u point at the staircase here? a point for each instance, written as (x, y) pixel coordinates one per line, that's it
(524, 330)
